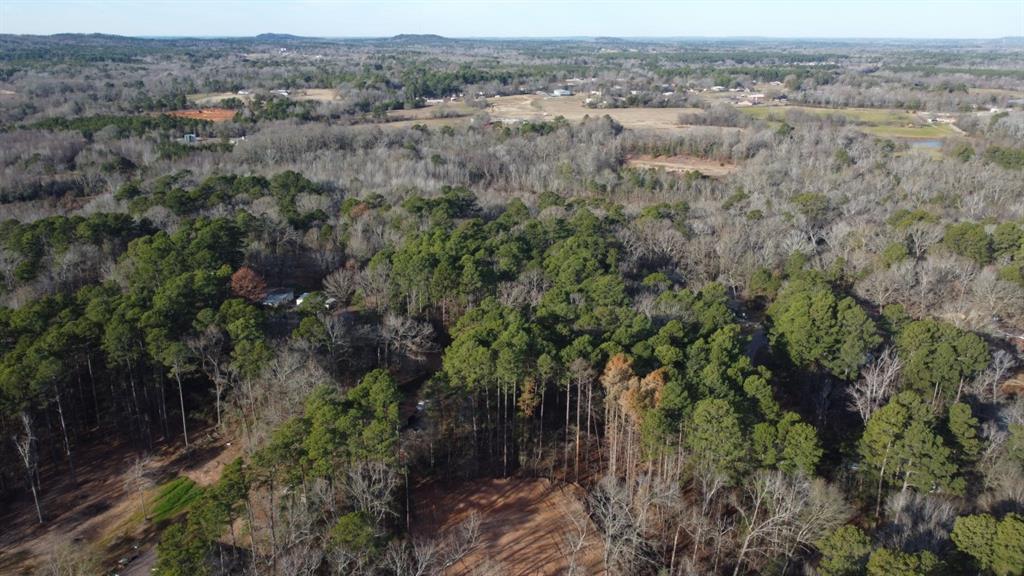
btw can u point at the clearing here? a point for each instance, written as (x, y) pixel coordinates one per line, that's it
(881, 122)
(101, 511)
(537, 108)
(525, 530)
(211, 114)
(534, 107)
(215, 98)
(446, 110)
(712, 168)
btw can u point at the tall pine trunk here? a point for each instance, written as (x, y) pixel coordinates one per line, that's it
(64, 431)
(181, 399)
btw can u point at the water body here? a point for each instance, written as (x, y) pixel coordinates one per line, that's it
(929, 144)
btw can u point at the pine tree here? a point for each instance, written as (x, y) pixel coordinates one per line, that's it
(715, 438)
(844, 552)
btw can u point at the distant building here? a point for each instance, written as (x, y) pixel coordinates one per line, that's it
(277, 297)
(561, 92)
(190, 138)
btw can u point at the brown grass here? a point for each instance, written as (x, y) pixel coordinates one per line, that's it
(525, 525)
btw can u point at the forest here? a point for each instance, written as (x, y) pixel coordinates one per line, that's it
(275, 305)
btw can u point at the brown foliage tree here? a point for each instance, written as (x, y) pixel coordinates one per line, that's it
(247, 283)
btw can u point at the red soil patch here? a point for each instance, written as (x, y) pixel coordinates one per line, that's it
(211, 114)
(525, 527)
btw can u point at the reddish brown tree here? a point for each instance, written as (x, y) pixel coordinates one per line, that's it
(247, 283)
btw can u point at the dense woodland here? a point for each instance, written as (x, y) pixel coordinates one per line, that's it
(803, 367)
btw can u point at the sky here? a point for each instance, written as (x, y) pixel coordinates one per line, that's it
(521, 18)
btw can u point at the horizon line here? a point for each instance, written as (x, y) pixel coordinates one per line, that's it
(516, 37)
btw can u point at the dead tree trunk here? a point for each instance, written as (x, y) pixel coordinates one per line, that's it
(26, 446)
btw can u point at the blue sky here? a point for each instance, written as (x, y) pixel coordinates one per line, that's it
(475, 18)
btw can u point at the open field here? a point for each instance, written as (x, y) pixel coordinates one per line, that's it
(683, 164)
(534, 107)
(211, 114)
(928, 131)
(317, 94)
(525, 527)
(877, 116)
(537, 108)
(214, 98)
(881, 122)
(447, 110)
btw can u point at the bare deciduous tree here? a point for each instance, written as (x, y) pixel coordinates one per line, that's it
(25, 444)
(878, 382)
(208, 347)
(781, 513)
(407, 337)
(341, 284)
(376, 286)
(136, 481)
(371, 487)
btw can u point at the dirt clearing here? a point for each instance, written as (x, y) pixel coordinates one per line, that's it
(712, 168)
(211, 114)
(98, 510)
(526, 525)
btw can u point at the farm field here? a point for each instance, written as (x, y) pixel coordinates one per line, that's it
(433, 112)
(881, 122)
(858, 115)
(535, 107)
(525, 528)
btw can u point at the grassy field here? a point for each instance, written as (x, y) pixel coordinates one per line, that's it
(173, 498)
(928, 131)
(880, 122)
(871, 116)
